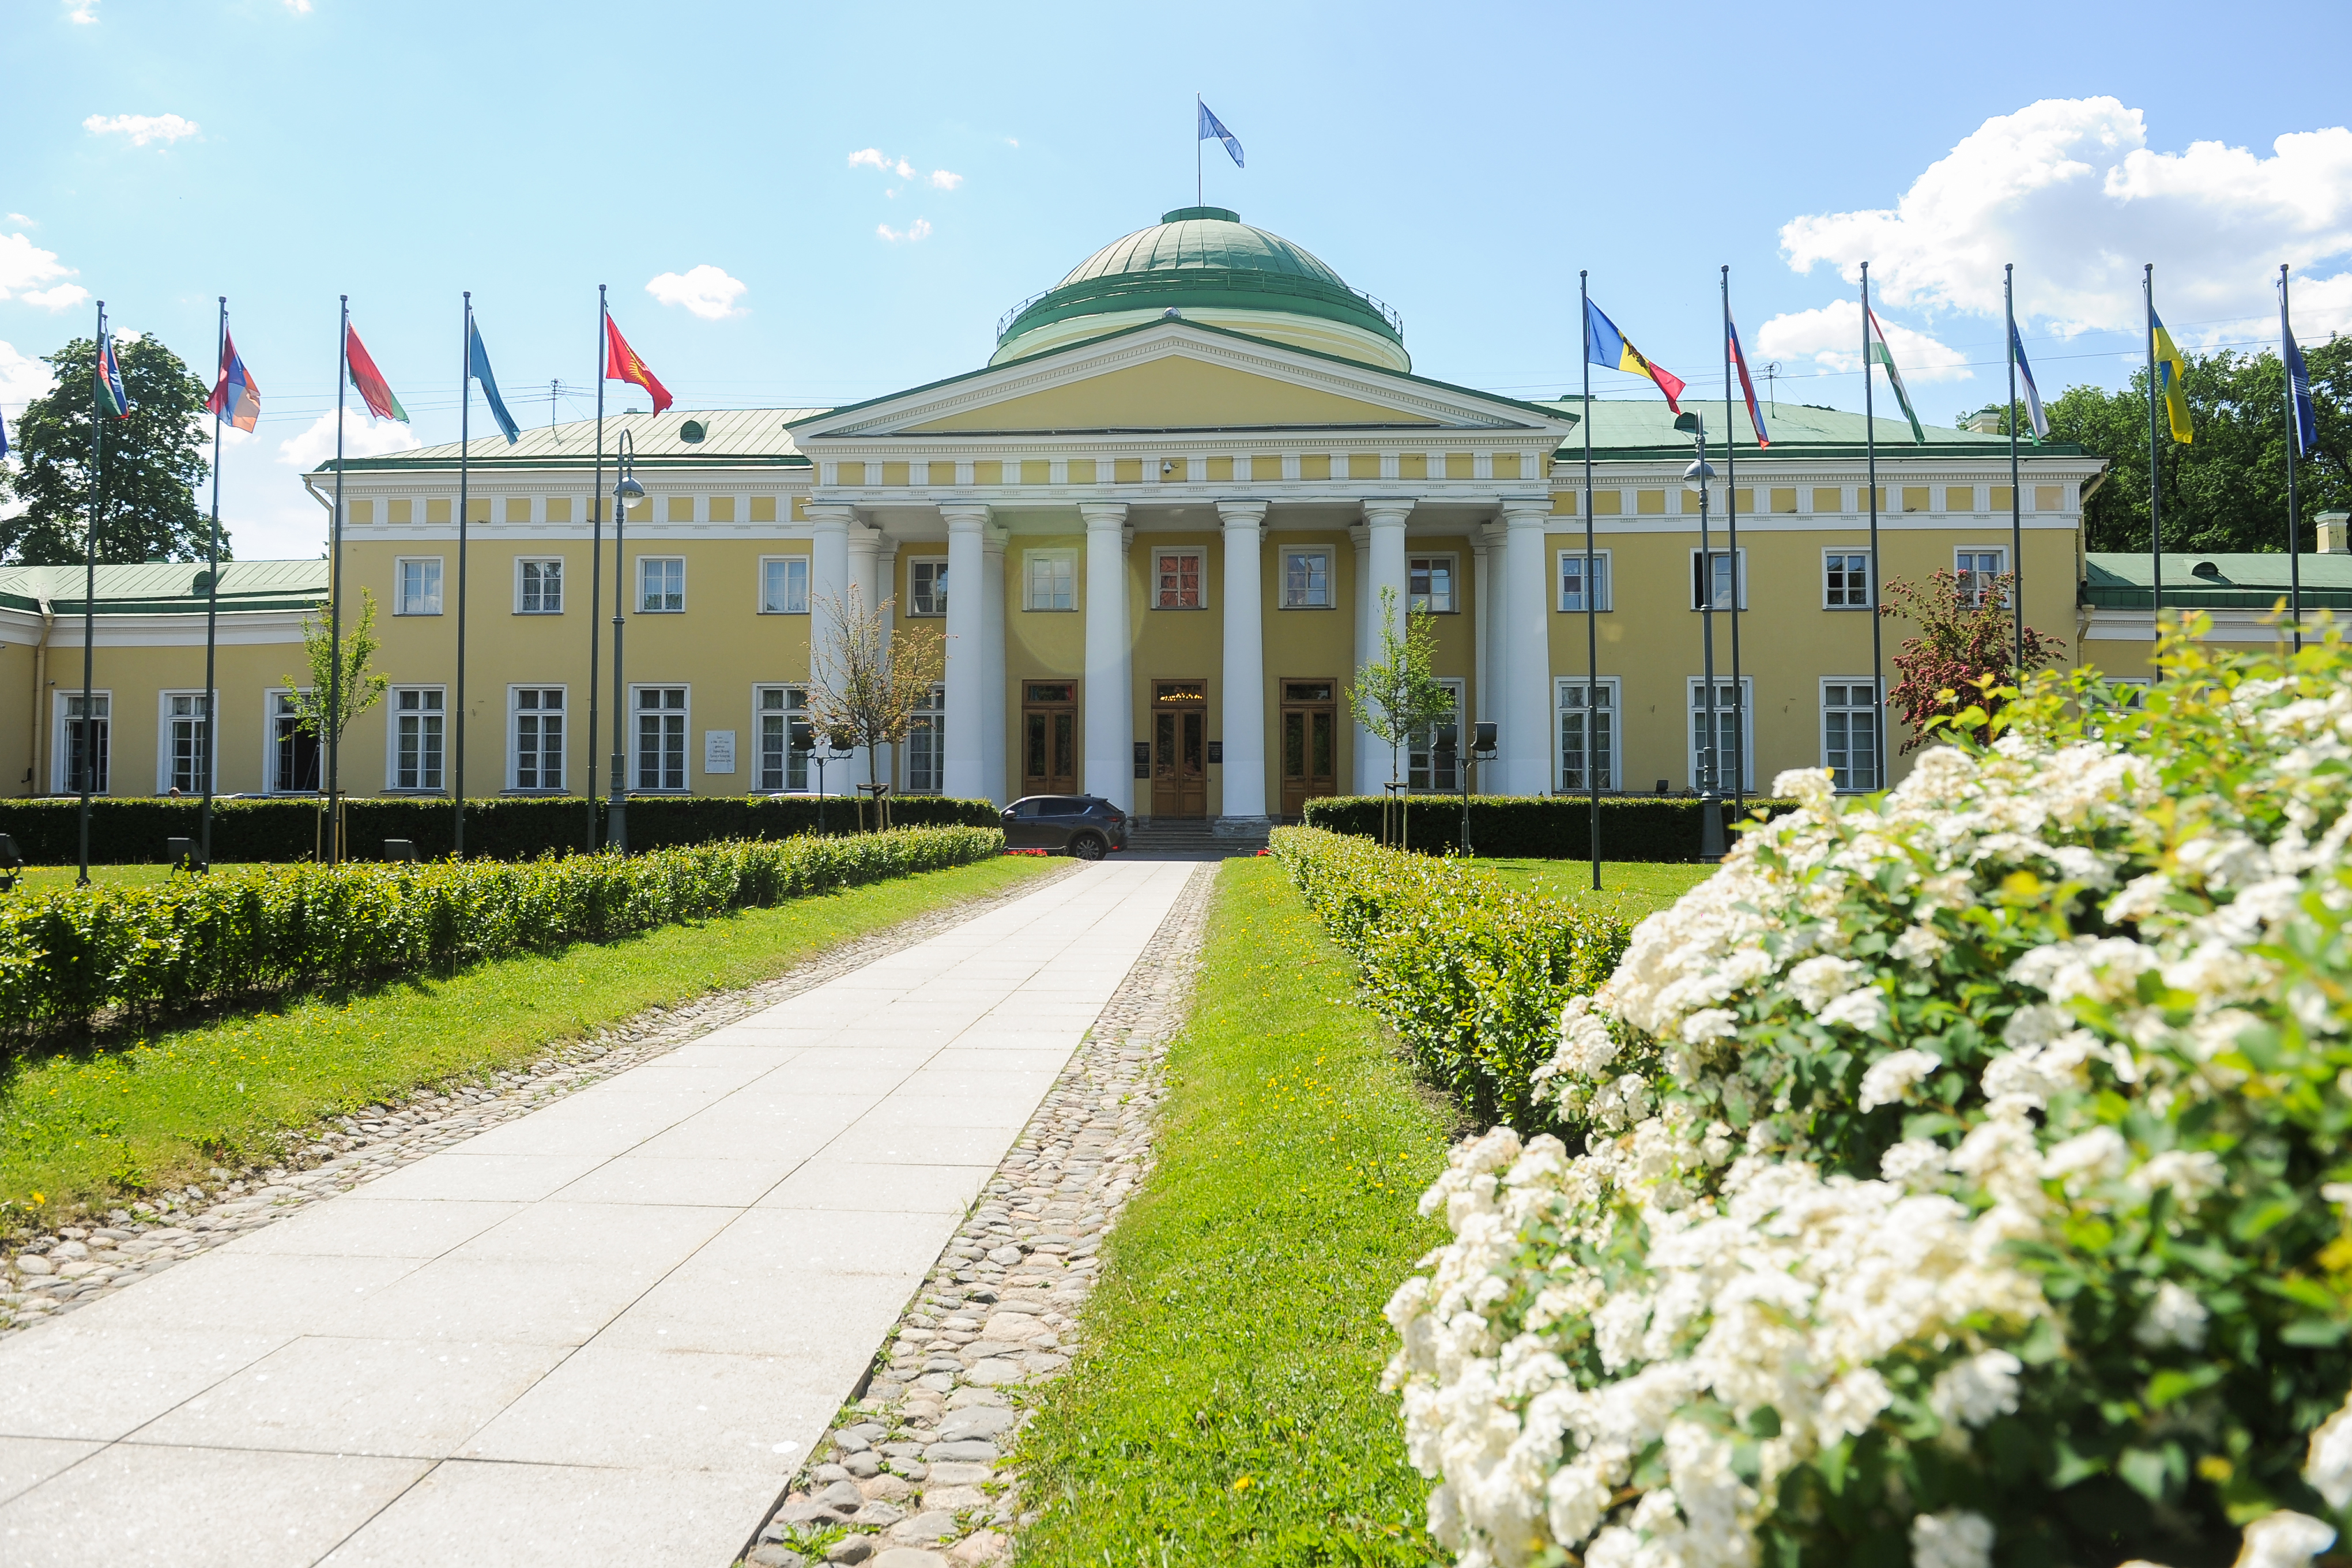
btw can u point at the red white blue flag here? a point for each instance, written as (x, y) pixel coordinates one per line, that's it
(1747, 384)
(235, 398)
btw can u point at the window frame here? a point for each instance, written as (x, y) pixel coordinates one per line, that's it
(663, 561)
(1878, 709)
(1999, 552)
(686, 737)
(1424, 740)
(1453, 560)
(515, 711)
(760, 588)
(1869, 589)
(938, 591)
(1200, 559)
(165, 749)
(1611, 691)
(60, 746)
(1738, 580)
(1059, 555)
(1331, 601)
(1605, 574)
(400, 565)
(271, 718)
(391, 712)
(760, 713)
(1740, 778)
(523, 563)
(929, 720)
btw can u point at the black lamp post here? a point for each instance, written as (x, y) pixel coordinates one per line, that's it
(625, 491)
(1695, 479)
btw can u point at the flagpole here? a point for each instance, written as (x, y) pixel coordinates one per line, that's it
(2155, 531)
(1870, 456)
(1732, 516)
(595, 567)
(212, 600)
(334, 708)
(2293, 443)
(464, 433)
(2016, 496)
(1198, 197)
(89, 593)
(1592, 598)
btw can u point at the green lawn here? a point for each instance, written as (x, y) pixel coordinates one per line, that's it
(95, 1128)
(1226, 1407)
(43, 879)
(1630, 889)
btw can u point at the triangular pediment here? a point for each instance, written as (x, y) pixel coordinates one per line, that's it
(1171, 376)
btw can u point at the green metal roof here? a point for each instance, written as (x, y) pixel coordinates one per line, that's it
(732, 437)
(167, 588)
(2124, 581)
(1202, 257)
(1636, 428)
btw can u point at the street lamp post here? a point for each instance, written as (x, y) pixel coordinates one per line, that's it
(1695, 479)
(625, 490)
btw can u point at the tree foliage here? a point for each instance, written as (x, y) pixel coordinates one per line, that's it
(357, 691)
(1964, 652)
(1394, 694)
(2226, 491)
(150, 463)
(869, 679)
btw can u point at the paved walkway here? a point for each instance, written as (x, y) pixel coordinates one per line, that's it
(606, 1332)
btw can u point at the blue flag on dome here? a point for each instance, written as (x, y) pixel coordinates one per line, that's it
(1213, 129)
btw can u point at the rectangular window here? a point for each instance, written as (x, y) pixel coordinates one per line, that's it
(661, 737)
(1432, 753)
(1051, 577)
(1715, 574)
(1429, 585)
(418, 720)
(1850, 733)
(1733, 722)
(1587, 737)
(784, 585)
(927, 742)
(1572, 581)
(1307, 579)
(184, 741)
(926, 587)
(294, 752)
(1176, 576)
(537, 736)
(84, 746)
(661, 585)
(538, 590)
(1845, 580)
(1976, 570)
(775, 709)
(416, 587)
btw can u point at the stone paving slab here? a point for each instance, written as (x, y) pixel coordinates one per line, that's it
(608, 1331)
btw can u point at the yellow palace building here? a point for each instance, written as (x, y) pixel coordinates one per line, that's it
(1154, 531)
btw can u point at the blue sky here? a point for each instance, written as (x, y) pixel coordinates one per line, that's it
(1460, 163)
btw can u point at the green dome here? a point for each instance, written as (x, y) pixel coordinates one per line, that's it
(1204, 258)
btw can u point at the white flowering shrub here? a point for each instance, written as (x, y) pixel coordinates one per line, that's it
(1959, 1176)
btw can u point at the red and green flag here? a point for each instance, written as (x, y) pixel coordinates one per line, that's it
(368, 381)
(1883, 357)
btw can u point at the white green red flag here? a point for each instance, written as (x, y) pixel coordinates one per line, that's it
(1880, 354)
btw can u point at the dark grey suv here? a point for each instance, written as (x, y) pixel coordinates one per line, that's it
(1085, 825)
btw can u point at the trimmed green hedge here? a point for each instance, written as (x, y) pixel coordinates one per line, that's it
(133, 832)
(69, 955)
(1470, 973)
(1632, 827)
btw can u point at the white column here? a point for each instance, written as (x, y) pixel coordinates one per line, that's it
(1109, 720)
(1359, 743)
(1384, 531)
(828, 596)
(965, 774)
(1493, 639)
(1527, 650)
(991, 668)
(1245, 663)
(866, 591)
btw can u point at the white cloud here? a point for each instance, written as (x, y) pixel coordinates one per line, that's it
(82, 11)
(140, 128)
(300, 7)
(871, 157)
(2070, 190)
(919, 229)
(64, 296)
(22, 379)
(1012, 141)
(27, 222)
(24, 265)
(1831, 338)
(944, 180)
(362, 437)
(705, 290)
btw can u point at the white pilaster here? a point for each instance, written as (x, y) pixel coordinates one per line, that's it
(965, 772)
(866, 591)
(1244, 677)
(1109, 719)
(1360, 746)
(1384, 531)
(991, 666)
(1525, 721)
(1493, 614)
(830, 522)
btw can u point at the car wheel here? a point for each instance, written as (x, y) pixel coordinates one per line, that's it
(1089, 847)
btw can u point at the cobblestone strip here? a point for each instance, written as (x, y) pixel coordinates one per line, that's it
(55, 1272)
(914, 1473)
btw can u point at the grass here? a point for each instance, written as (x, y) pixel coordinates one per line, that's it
(1630, 889)
(50, 879)
(1225, 1409)
(97, 1127)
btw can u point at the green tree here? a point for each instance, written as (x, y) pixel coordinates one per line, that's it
(359, 688)
(2227, 490)
(151, 463)
(1963, 652)
(1394, 694)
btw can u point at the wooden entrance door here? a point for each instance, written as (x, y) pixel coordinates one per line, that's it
(1049, 737)
(1310, 747)
(1180, 752)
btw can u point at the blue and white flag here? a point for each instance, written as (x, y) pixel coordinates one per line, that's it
(2032, 393)
(477, 365)
(1213, 129)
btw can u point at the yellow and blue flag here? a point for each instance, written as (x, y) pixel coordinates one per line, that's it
(2172, 380)
(1605, 345)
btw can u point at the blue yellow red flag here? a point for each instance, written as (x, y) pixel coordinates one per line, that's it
(2171, 381)
(1609, 347)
